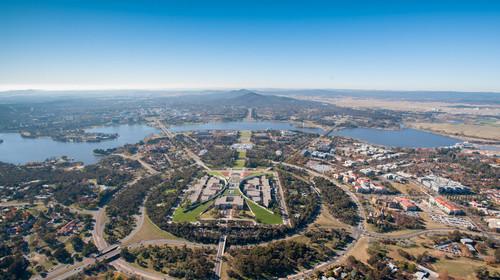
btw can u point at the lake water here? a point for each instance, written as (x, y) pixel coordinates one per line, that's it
(244, 125)
(405, 137)
(18, 150)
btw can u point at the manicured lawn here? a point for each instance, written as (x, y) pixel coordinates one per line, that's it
(150, 231)
(229, 191)
(262, 215)
(215, 173)
(258, 174)
(190, 216)
(245, 136)
(169, 191)
(242, 154)
(239, 163)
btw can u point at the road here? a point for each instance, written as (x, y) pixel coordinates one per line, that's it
(144, 164)
(64, 272)
(358, 231)
(220, 252)
(17, 204)
(192, 155)
(127, 268)
(249, 117)
(284, 207)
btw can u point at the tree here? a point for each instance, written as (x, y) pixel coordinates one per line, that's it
(129, 257)
(62, 255)
(89, 249)
(77, 243)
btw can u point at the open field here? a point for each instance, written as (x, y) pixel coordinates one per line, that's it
(326, 220)
(150, 231)
(409, 106)
(457, 267)
(461, 268)
(489, 132)
(359, 250)
(409, 188)
(192, 215)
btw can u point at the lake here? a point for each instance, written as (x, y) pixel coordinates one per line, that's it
(244, 125)
(405, 137)
(18, 150)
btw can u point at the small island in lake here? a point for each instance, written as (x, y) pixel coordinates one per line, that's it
(77, 135)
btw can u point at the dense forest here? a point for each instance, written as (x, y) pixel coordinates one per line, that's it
(179, 262)
(277, 259)
(303, 203)
(218, 156)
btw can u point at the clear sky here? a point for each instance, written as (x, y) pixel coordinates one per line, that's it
(405, 44)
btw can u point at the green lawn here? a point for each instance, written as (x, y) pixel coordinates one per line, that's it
(190, 216)
(229, 191)
(245, 136)
(258, 174)
(262, 215)
(215, 173)
(242, 154)
(169, 191)
(239, 163)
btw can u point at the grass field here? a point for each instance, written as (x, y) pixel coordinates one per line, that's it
(461, 268)
(359, 250)
(245, 136)
(215, 173)
(190, 216)
(262, 215)
(242, 154)
(150, 231)
(469, 130)
(239, 163)
(326, 220)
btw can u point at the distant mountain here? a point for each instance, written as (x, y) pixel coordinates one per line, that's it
(252, 99)
(242, 97)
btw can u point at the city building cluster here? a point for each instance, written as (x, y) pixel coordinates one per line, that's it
(443, 186)
(258, 189)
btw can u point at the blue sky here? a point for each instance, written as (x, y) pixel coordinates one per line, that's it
(412, 45)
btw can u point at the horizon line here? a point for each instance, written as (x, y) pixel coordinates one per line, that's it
(11, 88)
